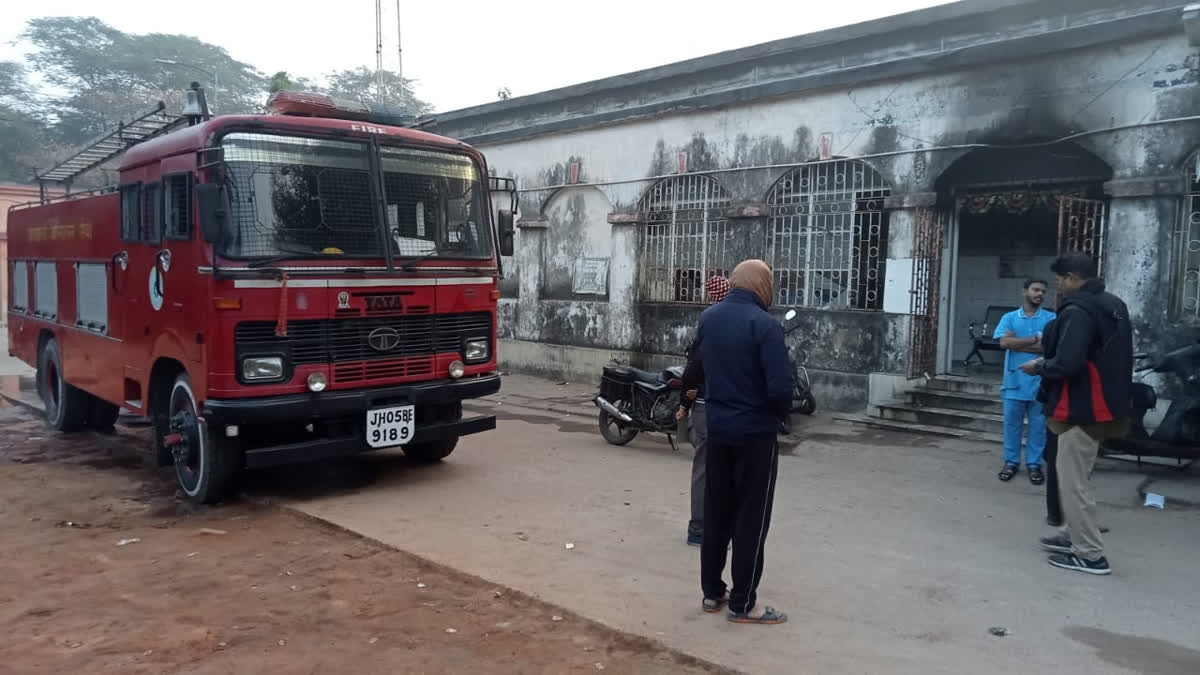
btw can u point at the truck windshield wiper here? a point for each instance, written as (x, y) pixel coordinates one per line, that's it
(291, 255)
(410, 263)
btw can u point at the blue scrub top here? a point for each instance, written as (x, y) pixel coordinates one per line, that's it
(1017, 385)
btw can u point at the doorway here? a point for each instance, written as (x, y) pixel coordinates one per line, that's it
(1003, 239)
(1012, 212)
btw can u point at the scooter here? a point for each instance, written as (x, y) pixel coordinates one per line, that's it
(1178, 436)
(803, 401)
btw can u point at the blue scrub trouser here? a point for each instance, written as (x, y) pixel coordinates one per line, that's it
(1015, 413)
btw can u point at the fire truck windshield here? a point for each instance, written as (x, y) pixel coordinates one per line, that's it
(294, 197)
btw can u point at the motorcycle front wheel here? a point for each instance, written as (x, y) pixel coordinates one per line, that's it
(613, 432)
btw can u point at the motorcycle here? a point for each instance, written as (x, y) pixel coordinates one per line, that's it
(1178, 435)
(632, 401)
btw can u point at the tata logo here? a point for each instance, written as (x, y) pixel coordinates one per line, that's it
(383, 339)
(383, 303)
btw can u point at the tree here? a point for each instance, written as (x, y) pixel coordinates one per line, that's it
(113, 75)
(362, 84)
(283, 81)
(279, 82)
(25, 146)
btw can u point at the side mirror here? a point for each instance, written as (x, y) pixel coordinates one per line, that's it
(504, 227)
(213, 211)
(791, 314)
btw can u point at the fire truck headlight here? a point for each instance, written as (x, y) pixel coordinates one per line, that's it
(456, 369)
(317, 382)
(475, 350)
(258, 368)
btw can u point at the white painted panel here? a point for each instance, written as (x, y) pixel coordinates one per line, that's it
(20, 285)
(91, 294)
(45, 289)
(896, 285)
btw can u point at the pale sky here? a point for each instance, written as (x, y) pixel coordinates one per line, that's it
(462, 52)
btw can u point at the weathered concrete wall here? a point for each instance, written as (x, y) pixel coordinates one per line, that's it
(914, 89)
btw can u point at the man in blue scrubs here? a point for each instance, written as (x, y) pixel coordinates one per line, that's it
(1020, 334)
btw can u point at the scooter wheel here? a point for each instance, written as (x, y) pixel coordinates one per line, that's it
(807, 405)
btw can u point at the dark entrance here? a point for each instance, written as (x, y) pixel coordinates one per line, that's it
(1014, 212)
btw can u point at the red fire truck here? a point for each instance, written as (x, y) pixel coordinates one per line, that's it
(266, 289)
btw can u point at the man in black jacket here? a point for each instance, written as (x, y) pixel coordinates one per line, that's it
(692, 405)
(1086, 374)
(748, 385)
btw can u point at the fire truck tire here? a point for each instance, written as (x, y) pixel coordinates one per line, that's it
(102, 415)
(66, 406)
(431, 452)
(204, 465)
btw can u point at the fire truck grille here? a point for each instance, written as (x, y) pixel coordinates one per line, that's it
(384, 346)
(382, 370)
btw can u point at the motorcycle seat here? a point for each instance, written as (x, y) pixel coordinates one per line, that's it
(646, 376)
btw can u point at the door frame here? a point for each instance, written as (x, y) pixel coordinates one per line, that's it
(949, 318)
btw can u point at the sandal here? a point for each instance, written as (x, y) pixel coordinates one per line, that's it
(1036, 476)
(770, 616)
(1006, 474)
(713, 605)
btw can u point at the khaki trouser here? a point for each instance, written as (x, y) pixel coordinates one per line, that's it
(1077, 451)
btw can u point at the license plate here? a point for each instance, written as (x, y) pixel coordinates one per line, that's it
(388, 427)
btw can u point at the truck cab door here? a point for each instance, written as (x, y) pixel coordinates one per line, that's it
(138, 283)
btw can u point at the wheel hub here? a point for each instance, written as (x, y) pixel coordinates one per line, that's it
(183, 437)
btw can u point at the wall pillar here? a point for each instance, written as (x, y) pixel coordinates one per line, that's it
(529, 277)
(624, 328)
(1139, 248)
(750, 227)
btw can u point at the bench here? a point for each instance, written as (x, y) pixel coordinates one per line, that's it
(981, 333)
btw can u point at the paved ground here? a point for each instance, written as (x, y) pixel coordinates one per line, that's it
(892, 553)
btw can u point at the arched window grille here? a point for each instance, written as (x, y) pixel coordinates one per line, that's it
(1187, 278)
(686, 238)
(828, 236)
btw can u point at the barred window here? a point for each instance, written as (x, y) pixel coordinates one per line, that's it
(686, 239)
(1187, 236)
(152, 215)
(828, 236)
(178, 189)
(131, 211)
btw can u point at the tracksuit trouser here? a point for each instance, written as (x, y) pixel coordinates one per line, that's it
(738, 495)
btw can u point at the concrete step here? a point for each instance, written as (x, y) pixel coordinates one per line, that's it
(915, 428)
(965, 385)
(953, 400)
(899, 411)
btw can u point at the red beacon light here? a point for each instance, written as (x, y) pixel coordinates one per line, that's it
(302, 104)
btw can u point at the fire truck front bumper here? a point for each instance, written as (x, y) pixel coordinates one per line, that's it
(279, 430)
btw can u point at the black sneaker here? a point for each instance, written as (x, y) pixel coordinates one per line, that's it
(1057, 544)
(1071, 561)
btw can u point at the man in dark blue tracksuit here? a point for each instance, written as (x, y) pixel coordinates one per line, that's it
(748, 389)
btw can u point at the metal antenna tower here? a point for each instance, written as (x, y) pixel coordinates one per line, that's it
(379, 51)
(399, 55)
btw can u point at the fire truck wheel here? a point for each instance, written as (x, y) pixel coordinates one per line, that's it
(204, 465)
(431, 452)
(66, 406)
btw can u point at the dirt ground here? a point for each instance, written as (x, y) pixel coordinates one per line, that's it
(106, 571)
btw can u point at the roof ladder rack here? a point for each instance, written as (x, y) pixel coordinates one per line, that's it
(109, 145)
